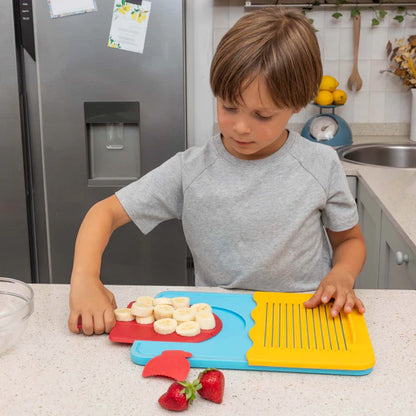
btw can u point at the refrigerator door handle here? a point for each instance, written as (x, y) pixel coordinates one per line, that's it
(24, 24)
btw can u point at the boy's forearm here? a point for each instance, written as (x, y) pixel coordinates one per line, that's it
(93, 236)
(349, 257)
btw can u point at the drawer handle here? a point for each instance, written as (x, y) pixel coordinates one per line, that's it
(401, 258)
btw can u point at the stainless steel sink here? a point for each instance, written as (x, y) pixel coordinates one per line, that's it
(380, 154)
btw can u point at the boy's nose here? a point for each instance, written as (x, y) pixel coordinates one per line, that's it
(241, 126)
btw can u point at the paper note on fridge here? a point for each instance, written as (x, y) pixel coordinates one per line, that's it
(129, 26)
(61, 8)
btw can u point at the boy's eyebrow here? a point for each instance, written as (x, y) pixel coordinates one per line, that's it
(260, 109)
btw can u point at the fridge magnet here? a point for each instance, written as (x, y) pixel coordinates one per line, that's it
(129, 25)
(62, 8)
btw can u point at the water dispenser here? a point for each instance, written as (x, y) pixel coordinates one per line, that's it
(113, 142)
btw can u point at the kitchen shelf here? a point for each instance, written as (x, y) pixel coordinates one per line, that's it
(330, 4)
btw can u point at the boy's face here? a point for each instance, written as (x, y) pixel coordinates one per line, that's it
(255, 128)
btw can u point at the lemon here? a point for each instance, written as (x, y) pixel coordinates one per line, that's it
(340, 97)
(324, 98)
(328, 83)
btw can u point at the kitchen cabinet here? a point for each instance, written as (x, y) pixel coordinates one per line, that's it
(397, 260)
(390, 262)
(369, 212)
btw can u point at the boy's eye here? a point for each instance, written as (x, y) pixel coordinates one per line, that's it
(261, 117)
(230, 109)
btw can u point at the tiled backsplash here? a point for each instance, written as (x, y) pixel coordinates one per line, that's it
(382, 99)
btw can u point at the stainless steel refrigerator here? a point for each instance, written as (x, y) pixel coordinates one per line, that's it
(78, 121)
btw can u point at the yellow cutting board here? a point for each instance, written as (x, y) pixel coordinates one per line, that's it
(286, 334)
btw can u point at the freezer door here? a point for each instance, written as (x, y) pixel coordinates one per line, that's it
(14, 238)
(80, 148)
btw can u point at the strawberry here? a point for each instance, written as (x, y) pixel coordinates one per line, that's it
(212, 384)
(179, 396)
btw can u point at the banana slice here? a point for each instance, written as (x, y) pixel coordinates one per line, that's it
(162, 301)
(188, 329)
(165, 326)
(180, 302)
(183, 315)
(141, 310)
(144, 300)
(198, 307)
(163, 311)
(145, 320)
(123, 314)
(205, 320)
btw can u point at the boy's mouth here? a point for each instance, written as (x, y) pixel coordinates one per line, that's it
(242, 143)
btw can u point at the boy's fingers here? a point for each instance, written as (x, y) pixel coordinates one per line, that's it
(328, 293)
(349, 303)
(73, 322)
(109, 320)
(315, 300)
(359, 305)
(98, 324)
(87, 324)
(338, 305)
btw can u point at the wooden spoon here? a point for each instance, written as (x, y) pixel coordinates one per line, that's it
(355, 81)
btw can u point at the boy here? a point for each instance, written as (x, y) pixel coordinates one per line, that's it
(255, 199)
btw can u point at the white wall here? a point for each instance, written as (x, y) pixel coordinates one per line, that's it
(382, 99)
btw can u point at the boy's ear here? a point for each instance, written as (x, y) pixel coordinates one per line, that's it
(296, 110)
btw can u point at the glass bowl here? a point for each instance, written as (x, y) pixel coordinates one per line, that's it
(16, 306)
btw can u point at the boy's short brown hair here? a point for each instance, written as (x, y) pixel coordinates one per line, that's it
(274, 43)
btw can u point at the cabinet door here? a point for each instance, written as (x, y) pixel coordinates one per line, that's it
(397, 260)
(369, 212)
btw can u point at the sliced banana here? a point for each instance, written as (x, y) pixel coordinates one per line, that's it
(141, 310)
(165, 326)
(144, 300)
(145, 320)
(205, 320)
(198, 307)
(162, 301)
(183, 315)
(188, 329)
(180, 302)
(123, 314)
(163, 311)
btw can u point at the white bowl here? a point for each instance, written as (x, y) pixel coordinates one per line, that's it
(16, 306)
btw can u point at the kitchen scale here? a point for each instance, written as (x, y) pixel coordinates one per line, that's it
(271, 331)
(328, 128)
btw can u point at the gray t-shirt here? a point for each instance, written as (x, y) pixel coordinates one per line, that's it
(250, 224)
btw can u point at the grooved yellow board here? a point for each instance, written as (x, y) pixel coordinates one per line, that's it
(286, 334)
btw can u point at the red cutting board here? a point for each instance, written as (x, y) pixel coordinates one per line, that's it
(128, 332)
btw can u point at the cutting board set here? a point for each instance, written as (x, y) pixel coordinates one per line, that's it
(271, 331)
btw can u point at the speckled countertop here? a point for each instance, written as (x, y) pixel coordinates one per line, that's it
(395, 189)
(54, 372)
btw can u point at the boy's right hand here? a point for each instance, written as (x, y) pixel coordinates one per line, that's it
(95, 304)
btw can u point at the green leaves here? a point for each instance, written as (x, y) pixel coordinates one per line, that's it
(379, 12)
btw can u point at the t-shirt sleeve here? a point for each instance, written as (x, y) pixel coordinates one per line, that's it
(155, 197)
(340, 212)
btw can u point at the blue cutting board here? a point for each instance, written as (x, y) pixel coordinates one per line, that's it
(227, 349)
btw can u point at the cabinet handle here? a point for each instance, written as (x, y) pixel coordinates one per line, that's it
(401, 258)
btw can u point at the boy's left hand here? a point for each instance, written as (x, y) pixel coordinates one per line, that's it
(338, 287)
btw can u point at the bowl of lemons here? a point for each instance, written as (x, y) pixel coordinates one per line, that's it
(329, 94)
